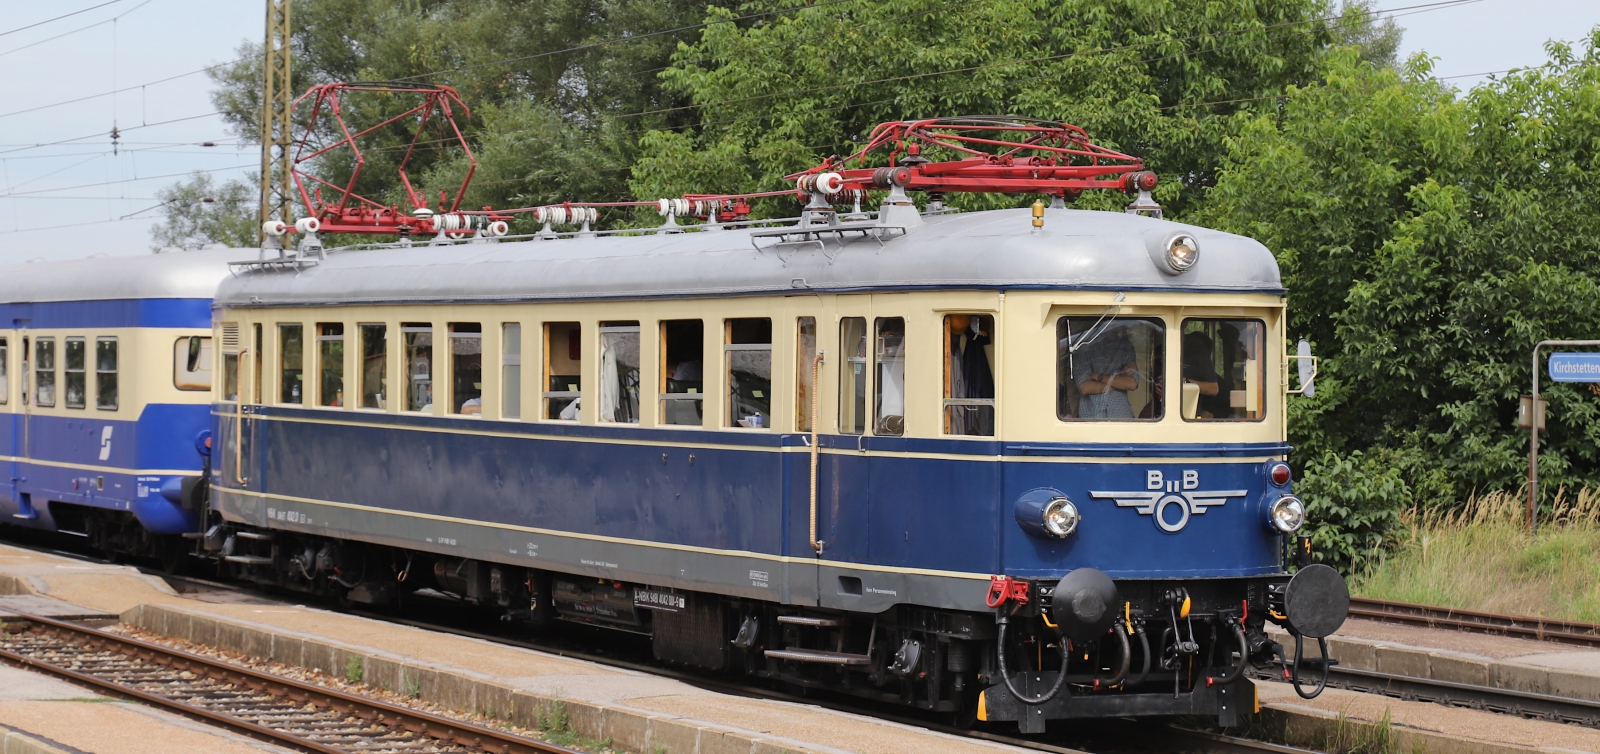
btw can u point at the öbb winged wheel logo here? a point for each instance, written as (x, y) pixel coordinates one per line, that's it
(1160, 494)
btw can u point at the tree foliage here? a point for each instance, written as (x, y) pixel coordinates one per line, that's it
(198, 212)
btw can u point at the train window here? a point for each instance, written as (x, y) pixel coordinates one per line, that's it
(374, 365)
(291, 364)
(853, 375)
(5, 379)
(466, 368)
(805, 358)
(256, 367)
(419, 365)
(105, 373)
(749, 348)
(889, 389)
(44, 369)
(1109, 368)
(230, 362)
(191, 363)
(563, 363)
(330, 364)
(1224, 374)
(683, 371)
(619, 372)
(510, 370)
(76, 378)
(969, 374)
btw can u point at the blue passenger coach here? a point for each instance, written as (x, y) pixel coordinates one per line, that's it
(105, 378)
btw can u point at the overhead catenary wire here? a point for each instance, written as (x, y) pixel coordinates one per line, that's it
(58, 18)
(75, 31)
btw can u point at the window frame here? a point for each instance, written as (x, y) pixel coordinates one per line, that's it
(510, 371)
(1159, 372)
(116, 368)
(574, 332)
(662, 394)
(324, 364)
(878, 363)
(1262, 344)
(181, 345)
(728, 349)
(363, 329)
(283, 367)
(408, 329)
(81, 372)
(804, 382)
(861, 406)
(949, 402)
(5, 370)
(454, 408)
(39, 343)
(622, 327)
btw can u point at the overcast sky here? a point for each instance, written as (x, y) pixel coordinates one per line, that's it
(75, 197)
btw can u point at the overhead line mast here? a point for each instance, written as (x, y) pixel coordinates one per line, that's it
(277, 126)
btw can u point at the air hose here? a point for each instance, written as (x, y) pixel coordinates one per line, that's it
(1061, 677)
(1294, 676)
(1244, 655)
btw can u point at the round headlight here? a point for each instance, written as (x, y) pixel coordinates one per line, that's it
(1286, 514)
(1182, 252)
(1060, 517)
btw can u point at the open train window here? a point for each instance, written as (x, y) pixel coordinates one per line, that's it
(805, 380)
(749, 371)
(191, 363)
(77, 378)
(1110, 368)
(419, 365)
(5, 379)
(853, 375)
(969, 375)
(683, 372)
(330, 364)
(466, 368)
(44, 371)
(374, 365)
(510, 370)
(1224, 374)
(889, 387)
(563, 363)
(105, 373)
(291, 363)
(619, 372)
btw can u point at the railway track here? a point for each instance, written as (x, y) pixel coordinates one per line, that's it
(267, 707)
(1539, 629)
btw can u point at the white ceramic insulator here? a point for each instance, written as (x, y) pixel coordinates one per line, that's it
(830, 183)
(588, 215)
(274, 228)
(307, 225)
(670, 207)
(498, 228)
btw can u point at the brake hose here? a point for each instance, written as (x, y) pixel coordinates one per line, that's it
(1144, 644)
(1244, 655)
(1061, 677)
(1294, 676)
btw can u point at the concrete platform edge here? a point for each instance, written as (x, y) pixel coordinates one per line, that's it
(13, 741)
(1309, 727)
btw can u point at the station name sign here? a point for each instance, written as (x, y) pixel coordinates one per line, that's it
(1575, 367)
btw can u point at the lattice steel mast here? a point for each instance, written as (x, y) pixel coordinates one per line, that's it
(277, 128)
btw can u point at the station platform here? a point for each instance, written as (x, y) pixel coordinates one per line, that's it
(640, 712)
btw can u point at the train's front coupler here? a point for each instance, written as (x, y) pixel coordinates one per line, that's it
(1311, 604)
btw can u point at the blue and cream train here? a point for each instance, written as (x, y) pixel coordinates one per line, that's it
(105, 393)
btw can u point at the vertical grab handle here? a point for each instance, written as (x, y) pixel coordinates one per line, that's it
(238, 422)
(816, 398)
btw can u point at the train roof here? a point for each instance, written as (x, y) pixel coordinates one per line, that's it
(997, 249)
(175, 274)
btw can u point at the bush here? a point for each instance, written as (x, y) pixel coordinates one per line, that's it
(1353, 506)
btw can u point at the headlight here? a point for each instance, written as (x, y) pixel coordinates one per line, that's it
(1060, 517)
(1182, 252)
(1286, 514)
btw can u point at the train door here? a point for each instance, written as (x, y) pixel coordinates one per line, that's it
(21, 428)
(844, 478)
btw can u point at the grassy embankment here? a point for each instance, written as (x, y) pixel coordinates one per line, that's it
(1480, 557)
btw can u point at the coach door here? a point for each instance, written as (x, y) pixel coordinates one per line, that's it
(21, 427)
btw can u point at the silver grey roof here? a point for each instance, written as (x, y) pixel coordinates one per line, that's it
(176, 274)
(992, 249)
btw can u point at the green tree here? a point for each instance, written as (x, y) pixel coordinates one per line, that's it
(197, 212)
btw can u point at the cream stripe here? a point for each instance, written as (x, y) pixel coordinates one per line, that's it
(102, 469)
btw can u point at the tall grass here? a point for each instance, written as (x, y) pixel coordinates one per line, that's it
(1479, 556)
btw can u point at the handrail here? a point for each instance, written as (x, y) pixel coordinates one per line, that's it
(816, 369)
(238, 422)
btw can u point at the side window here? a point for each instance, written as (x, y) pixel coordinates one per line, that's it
(853, 375)
(191, 363)
(510, 371)
(619, 372)
(1110, 368)
(563, 363)
(230, 361)
(969, 375)
(683, 371)
(77, 378)
(257, 365)
(44, 367)
(805, 361)
(466, 368)
(330, 364)
(5, 379)
(374, 365)
(1224, 374)
(291, 364)
(419, 365)
(749, 347)
(889, 389)
(105, 373)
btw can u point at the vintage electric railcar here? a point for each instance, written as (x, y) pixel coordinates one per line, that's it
(105, 393)
(1006, 469)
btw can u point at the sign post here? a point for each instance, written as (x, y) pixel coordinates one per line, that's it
(1564, 367)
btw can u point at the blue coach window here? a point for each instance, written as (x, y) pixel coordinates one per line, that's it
(44, 368)
(330, 364)
(77, 378)
(1110, 368)
(683, 371)
(419, 365)
(5, 381)
(291, 360)
(105, 373)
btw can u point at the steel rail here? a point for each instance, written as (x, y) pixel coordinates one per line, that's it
(184, 668)
(1523, 627)
(1526, 704)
